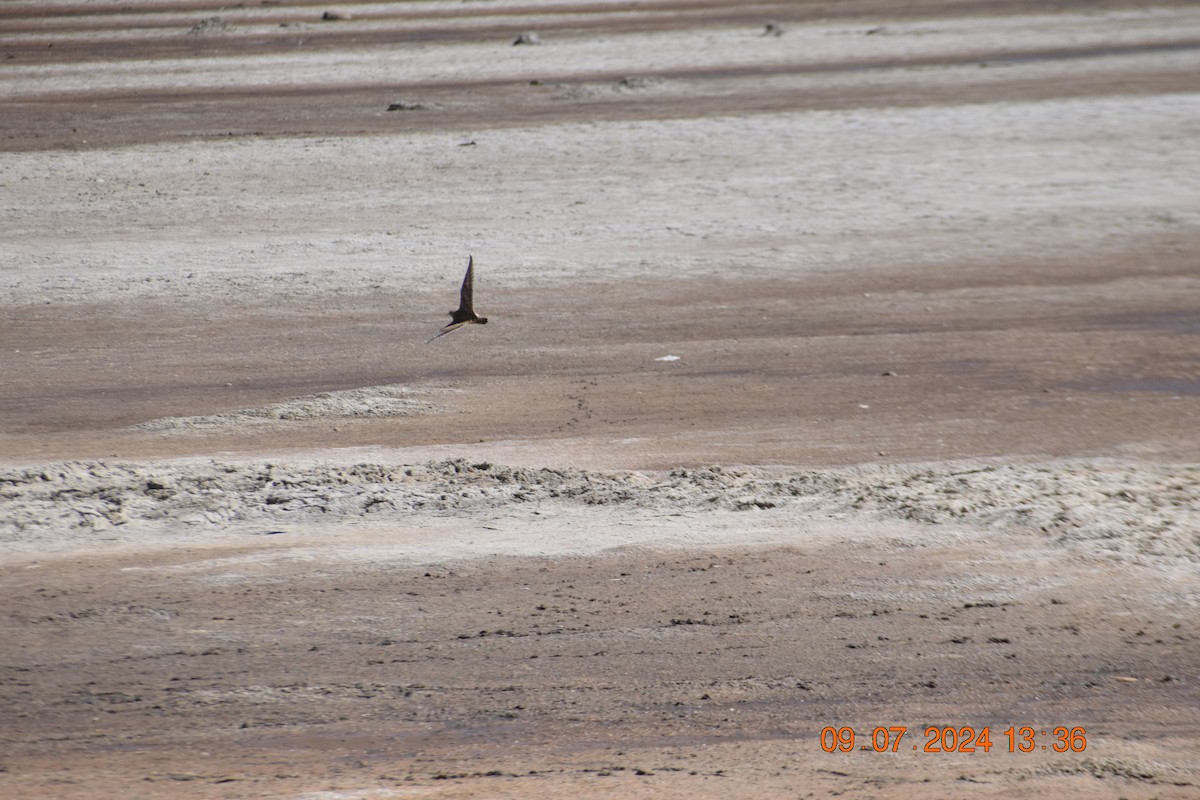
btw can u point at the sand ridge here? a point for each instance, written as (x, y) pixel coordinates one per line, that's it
(1143, 513)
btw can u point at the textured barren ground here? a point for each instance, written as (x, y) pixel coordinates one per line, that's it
(843, 370)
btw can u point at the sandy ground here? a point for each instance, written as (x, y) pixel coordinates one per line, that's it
(841, 373)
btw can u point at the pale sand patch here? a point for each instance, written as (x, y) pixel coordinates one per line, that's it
(369, 402)
(782, 193)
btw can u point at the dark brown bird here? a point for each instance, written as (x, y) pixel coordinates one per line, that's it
(465, 313)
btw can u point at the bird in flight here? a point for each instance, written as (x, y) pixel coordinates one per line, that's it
(465, 313)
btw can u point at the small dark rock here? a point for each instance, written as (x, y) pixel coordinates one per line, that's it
(637, 82)
(209, 25)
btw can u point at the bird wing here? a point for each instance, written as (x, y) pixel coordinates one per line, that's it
(453, 326)
(468, 288)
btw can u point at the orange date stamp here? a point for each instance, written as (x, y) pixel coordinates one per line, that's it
(954, 739)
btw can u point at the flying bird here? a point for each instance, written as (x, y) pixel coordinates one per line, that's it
(465, 313)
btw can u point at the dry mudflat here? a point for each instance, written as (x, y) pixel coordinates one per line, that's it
(842, 376)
